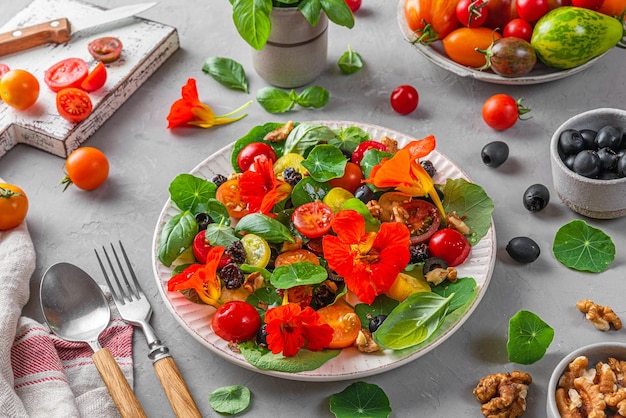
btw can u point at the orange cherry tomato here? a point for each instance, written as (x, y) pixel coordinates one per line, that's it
(87, 168)
(73, 104)
(19, 89)
(294, 256)
(95, 79)
(461, 45)
(13, 206)
(228, 194)
(440, 14)
(345, 323)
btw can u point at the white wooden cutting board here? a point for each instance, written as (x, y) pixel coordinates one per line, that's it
(147, 45)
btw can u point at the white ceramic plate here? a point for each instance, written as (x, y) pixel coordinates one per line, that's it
(350, 364)
(437, 55)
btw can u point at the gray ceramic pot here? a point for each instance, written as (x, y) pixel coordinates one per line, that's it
(296, 51)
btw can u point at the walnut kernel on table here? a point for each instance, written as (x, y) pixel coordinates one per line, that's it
(602, 317)
(503, 395)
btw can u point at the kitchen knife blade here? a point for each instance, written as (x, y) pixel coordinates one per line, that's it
(61, 30)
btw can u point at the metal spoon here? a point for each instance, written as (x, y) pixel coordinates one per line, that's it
(76, 310)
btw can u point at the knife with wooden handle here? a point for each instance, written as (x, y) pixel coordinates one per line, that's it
(61, 30)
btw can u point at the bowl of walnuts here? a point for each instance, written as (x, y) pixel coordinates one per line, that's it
(588, 157)
(589, 382)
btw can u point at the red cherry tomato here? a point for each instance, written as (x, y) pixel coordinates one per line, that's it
(360, 150)
(518, 28)
(236, 321)
(3, 69)
(312, 219)
(351, 179)
(501, 111)
(588, 4)
(95, 79)
(449, 244)
(404, 99)
(69, 72)
(472, 13)
(107, 49)
(354, 5)
(73, 104)
(201, 248)
(532, 10)
(423, 221)
(251, 151)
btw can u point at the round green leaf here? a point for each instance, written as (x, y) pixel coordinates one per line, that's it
(230, 399)
(360, 399)
(582, 247)
(529, 338)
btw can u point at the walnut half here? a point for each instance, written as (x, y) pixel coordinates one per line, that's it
(503, 395)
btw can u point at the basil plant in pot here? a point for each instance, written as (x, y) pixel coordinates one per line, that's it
(289, 37)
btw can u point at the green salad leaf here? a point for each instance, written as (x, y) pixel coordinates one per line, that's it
(360, 399)
(297, 274)
(371, 158)
(579, 246)
(227, 72)
(382, 305)
(220, 234)
(275, 100)
(189, 192)
(176, 236)
(350, 62)
(267, 297)
(308, 190)
(267, 228)
(256, 134)
(304, 360)
(230, 399)
(216, 210)
(307, 135)
(371, 223)
(529, 338)
(464, 290)
(472, 202)
(325, 162)
(348, 138)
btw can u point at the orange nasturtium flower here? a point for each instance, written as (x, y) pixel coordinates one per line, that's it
(189, 110)
(404, 172)
(369, 262)
(202, 278)
(289, 328)
(260, 188)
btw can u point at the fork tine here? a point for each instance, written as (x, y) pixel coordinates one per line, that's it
(106, 275)
(138, 289)
(130, 292)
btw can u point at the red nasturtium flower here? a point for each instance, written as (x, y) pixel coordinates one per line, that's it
(189, 110)
(202, 278)
(289, 328)
(368, 261)
(259, 187)
(404, 172)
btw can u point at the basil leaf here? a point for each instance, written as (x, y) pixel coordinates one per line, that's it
(252, 20)
(529, 338)
(308, 190)
(464, 290)
(314, 96)
(306, 135)
(579, 246)
(338, 12)
(219, 234)
(350, 62)
(274, 100)
(227, 72)
(189, 192)
(267, 228)
(311, 10)
(325, 162)
(470, 201)
(176, 236)
(304, 360)
(297, 274)
(264, 298)
(230, 399)
(415, 319)
(348, 138)
(360, 399)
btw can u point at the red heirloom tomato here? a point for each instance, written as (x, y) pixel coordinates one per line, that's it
(13, 206)
(19, 89)
(424, 219)
(532, 10)
(449, 244)
(589, 4)
(472, 13)
(107, 49)
(312, 219)
(344, 322)
(500, 12)
(439, 14)
(251, 151)
(351, 179)
(236, 321)
(501, 111)
(95, 79)
(73, 104)
(69, 72)
(87, 168)
(404, 99)
(360, 150)
(518, 28)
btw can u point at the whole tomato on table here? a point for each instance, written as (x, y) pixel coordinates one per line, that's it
(501, 111)
(13, 206)
(439, 15)
(87, 168)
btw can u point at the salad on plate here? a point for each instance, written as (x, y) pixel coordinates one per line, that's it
(318, 241)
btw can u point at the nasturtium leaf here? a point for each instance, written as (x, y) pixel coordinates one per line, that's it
(382, 305)
(348, 138)
(360, 400)
(227, 72)
(266, 297)
(529, 338)
(298, 274)
(469, 201)
(304, 360)
(222, 235)
(579, 246)
(371, 158)
(230, 399)
(308, 190)
(464, 290)
(188, 191)
(325, 162)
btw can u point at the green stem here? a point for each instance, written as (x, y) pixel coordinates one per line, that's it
(6, 193)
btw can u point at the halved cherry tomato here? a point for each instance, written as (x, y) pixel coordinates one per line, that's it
(95, 79)
(344, 322)
(19, 89)
(246, 156)
(439, 14)
(351, 179)
(423, 221)
(107, 49)
(201, 248)
(461, 45)
(313, 219)
(295, 256)
(69, 72)
(228, 194)
(87, 168)
(236, 321)
(449, 244)
(74, 104)
(3, 69)
(13, 206)
(363, 147)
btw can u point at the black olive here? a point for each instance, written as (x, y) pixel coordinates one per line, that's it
(218, 179)
(608, 159)
(589, 138)
(609, 136)
(494, 153)
(523, 249)
(203, 220)
(571, 142)
(261, 335)
(536, 197)
(621, 166)
(376, 322)
(432, 263)
(364, 193)
(587, 163)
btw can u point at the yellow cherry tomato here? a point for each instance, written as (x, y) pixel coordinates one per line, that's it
(13, 206)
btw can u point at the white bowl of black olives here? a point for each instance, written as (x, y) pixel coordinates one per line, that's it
(588, 154)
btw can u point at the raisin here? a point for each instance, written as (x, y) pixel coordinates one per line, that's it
(236, 252)
(419, 252)
(203, 220)
(322, 296)
(232, 276)
(291, 176)
(429, 167)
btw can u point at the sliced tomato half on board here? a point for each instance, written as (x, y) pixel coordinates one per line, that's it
(67, 73)
(74, 104)
(95, 79)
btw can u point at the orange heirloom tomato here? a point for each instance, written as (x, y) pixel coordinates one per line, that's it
(461, 45)
(294, 256)
(228, 194)
(440, 14)
(344, 322)
(13, 206)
